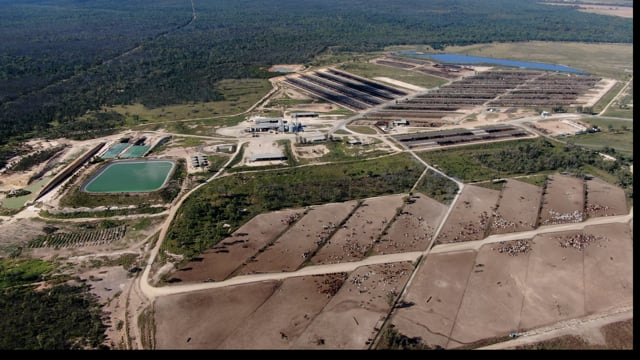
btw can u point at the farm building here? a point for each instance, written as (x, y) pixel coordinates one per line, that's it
(296, 115)
(267, 157)
(312, 138)
(199, 160)
(262, 120)
(225, 148)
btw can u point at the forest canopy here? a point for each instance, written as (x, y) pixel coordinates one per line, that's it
(60, 59)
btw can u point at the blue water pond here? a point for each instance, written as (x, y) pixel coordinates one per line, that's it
(466, 59)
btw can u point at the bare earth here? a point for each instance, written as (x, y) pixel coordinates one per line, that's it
(604, 199)
(286, 314)
(355, 314)
(301, 240)
(231, 253)
(493, 296)
(506, 293)
(357, 235)
(470, 218)
(557, 127)
(435, 294)
(563, 200)
(413, 229)
(517, 209)
(202, 320)
(621, 11)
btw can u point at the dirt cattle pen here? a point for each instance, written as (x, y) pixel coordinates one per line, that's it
(493, 88)
(345, 89)
(356, 313)
(563, 200)
(413, 229)
(462, 297)
(446, 71)
(559, 127)
(354, 239)
(325, 312)
(442, 138)
(517, 209)
(301, 240)
(470, 219)
(604, 199)
(235, 251)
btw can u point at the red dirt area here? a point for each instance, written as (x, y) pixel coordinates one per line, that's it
(470, 218)
(354, 239)
(413, 229)
(286, 314)
(301, 240)
(356, 313)
(229, 254)
(604, 199)
(203, 319)
(433, 297)
(563, 200)
(517, 209)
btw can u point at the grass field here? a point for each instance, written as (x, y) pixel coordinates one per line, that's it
(617, 134)
(608, 60)
(240, 94)
(371, 71)
(620, 107)
(368, 130)
(205, 127)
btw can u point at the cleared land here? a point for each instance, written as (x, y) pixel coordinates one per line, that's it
(231, 253)
(470, 218)
(300, 241)
(203, 319)
(558, 127)
(517, 209)
(563, 200)
(329, 311)
(434, 297)
(355, 314)
(354, 239)
(286, 314)
(495, 293)
(493, 297)
(604, 199)
(413, 229)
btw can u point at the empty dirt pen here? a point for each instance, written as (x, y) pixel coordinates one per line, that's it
(413, 229)
(354, 239)
(434, 296)
(517, 209)
(563, 200)
(470, 218)
(203, 319)
(286, 314)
